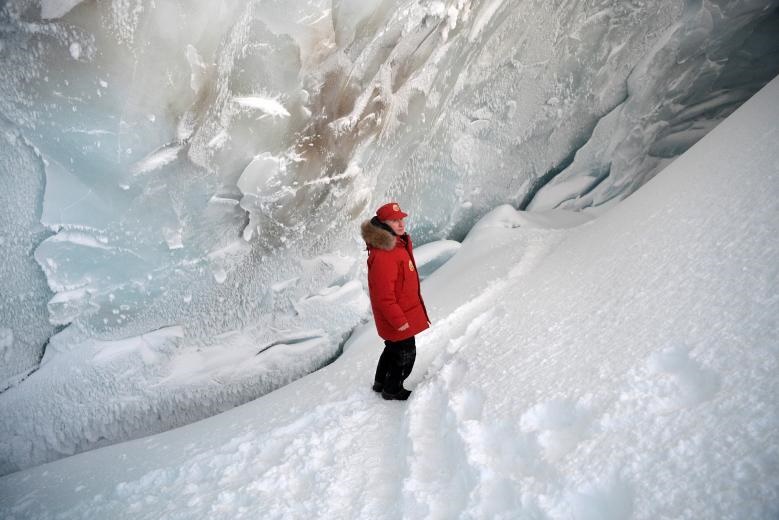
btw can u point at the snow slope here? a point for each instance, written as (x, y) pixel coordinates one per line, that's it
(625, 368)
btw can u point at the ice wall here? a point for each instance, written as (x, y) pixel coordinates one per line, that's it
(205, 165)
(24, 322)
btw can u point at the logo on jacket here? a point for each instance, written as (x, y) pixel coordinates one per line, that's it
(410, 265)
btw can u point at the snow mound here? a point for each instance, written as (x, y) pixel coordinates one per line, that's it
(433, 255)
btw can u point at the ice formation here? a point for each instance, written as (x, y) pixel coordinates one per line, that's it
(204, 168)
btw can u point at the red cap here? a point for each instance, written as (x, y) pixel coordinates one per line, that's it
(390, 211)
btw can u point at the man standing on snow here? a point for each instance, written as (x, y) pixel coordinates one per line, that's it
(398, 309)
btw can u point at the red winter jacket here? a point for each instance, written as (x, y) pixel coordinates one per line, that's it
(393, 284)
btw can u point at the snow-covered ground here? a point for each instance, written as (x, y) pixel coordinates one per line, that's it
(622, 368)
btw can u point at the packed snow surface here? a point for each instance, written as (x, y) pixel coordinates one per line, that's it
(624, 368)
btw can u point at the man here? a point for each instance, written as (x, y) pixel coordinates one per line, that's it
(398, 309)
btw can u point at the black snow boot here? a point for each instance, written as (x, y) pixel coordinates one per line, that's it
(402, 395)
(394, 367)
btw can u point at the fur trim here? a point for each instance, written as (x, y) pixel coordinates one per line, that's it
(377, 237)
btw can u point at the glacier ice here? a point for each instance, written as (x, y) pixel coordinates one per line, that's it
(205, 167)
(24, 321)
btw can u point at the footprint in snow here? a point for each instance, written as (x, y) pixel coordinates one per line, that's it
(609, 498)
(559, 426)
(681, 381)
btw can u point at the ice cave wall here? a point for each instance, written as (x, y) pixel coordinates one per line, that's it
(169, 131)
(206, 164)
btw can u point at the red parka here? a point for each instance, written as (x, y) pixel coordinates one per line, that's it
(393, 284)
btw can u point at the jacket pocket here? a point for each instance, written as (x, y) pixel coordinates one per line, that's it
(400, 283)
(408, 305)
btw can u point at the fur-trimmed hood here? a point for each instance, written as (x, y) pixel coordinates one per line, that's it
(378, 235)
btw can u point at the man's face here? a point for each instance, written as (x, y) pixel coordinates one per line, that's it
(398, 226)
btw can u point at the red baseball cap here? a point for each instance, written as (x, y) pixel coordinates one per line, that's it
(390, 211)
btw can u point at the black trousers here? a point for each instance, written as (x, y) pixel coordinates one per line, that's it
(395, 364)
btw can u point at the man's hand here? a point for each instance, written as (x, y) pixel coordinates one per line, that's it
(404, 327)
